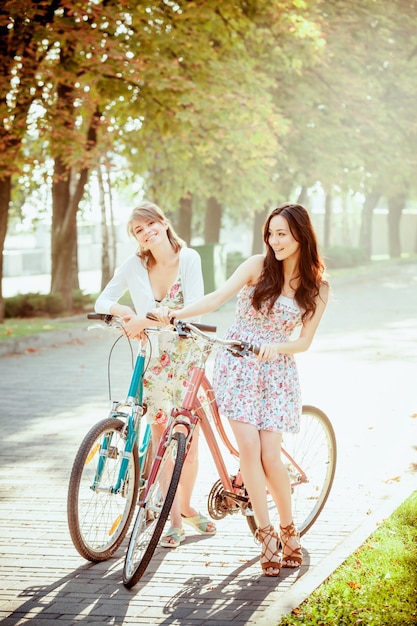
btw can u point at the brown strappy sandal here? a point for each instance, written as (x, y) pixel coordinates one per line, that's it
(269, 555)
(290, 554)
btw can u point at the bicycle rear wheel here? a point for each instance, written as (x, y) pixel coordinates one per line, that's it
(311, 464)
(98, 518)
(154, 511)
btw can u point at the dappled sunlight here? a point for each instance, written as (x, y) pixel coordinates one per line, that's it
(360, 371)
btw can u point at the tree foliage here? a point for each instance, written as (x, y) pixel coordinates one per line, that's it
(237, 104)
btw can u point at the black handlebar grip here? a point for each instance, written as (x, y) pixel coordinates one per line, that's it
(203, 327)
(96, 316)
(103, 317)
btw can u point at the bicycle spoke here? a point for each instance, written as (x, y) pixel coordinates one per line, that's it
(314, 451)
(98, 518)
(154, 510)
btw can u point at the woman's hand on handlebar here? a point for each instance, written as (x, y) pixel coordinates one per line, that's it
(267, 352)
(123, 311)
(134, 326)
(164, 314)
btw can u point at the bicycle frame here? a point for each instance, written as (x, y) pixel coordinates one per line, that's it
(191, 404)
(187, 417)
(192, 412)
(132, 411)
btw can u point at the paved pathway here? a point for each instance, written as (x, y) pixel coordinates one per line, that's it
(361, 371)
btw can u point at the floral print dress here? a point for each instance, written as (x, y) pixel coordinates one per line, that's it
(169, 366)
(265, 394)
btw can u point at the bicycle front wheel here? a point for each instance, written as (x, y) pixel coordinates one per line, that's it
(310, 458)
(153, 511)
(99, 517)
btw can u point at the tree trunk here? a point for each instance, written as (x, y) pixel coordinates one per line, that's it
(5, 197)
(63, 234)
(303, 196)
(415, 242)
(328, 209)
(64, 230)
(395, 207)
(75, 277)
(259, 219)
(213, 220)
(345, 221)
(66, 197)
(113, 236)
(365, 235)
(105, 243)
(185, 211)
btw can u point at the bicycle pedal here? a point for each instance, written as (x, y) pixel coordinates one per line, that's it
(234, 496)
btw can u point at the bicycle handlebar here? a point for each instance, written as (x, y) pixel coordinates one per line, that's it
(235, 346)
(108, 317)
(104, 317)
(185, 329)
(203, 327)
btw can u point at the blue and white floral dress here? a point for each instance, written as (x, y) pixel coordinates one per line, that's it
(265, 394)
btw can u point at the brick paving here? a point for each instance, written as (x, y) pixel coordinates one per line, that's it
(360, 370)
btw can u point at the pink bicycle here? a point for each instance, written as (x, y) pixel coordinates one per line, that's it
(310, 457)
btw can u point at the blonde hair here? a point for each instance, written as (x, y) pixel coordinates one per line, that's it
(148, 211)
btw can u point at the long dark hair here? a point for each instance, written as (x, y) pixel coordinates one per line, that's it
(311, 267)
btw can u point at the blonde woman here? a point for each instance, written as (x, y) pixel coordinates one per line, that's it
(163, 272)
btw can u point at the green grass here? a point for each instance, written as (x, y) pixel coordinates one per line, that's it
(375, 586)
(14, 328)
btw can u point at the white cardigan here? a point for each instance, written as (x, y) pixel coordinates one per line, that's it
(132, 276)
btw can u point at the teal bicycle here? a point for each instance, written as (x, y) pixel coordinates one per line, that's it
(110, 468)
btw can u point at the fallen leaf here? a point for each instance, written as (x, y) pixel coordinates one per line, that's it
(395, 479)
(354, 585)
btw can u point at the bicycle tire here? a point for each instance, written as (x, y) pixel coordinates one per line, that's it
(146, 532)
(314, 449)
(98, 520)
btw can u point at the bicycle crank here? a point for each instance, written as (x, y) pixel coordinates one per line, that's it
(221, 502)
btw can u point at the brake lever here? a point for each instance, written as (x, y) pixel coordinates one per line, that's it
(244, 349)
(181, 328)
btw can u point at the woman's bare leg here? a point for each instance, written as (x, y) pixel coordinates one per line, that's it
(279, 486)
(249, 443)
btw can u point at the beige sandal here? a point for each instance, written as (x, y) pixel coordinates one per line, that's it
(172, 538)
(289, 554)
(269, 555)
